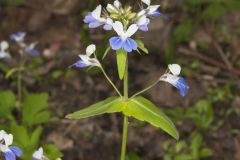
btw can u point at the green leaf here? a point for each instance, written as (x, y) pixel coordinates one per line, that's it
(138, 107)
(35, 137)
(182, 33)
(206, 152)
(35, 109)
(144, 110)
(7, 103)
(141, 46)
(121, 62)
(95, 109)
(196, 144)
(106, 52)
(214, 11)
(52, 152)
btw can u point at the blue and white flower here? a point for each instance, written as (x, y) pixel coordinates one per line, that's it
(9, 152)
(4, 50)
(151, 10)
(173, 78)
(123, 40)
(19, 37)
(86, 59)
(30, 49)
(95, 20)
(143, 23)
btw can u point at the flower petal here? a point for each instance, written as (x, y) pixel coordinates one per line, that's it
(90, 50)
(4, 45)
(37, 155)
(116, 43)
(9, 155)
(94, 25)
(130, 45)
(118, 27)
(175, 69)
(131, 30)
(182, 86)
(16, 150)
(8, 138)
(97, 12)
(79, 64)
(147, 2)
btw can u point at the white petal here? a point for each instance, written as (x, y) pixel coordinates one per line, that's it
(97, 12)
(175, 69)
(172, 79)
(38, 154)
(117, 4)
(85, 59)
(142, 20)
(152, 8)
(147, 2)
(2, 134)
(8, 138)
(131, 30)
(4, 45)
(90, 50)
(118, 27)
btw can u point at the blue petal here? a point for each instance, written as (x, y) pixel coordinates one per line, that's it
(107, 27)
(182, 86)
(143, 28)
(79, 64)
(116, 43)
(9, 155)
(89, 18)
(16, 150)
(158, 14)
(33, 52)
(94, 24)
(130, 45)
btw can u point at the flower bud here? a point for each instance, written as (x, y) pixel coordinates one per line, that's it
(111, 9)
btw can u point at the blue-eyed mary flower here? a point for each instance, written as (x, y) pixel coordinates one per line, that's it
(173, 78)
(151, 10)
(86, 60)
(143, 23)
(9, 152)
(94, 19)
(123, 40)
(4, 50)
(29, 49)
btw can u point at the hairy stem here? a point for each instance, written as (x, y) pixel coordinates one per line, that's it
(146, 89)
(125, 120)
(110, 81)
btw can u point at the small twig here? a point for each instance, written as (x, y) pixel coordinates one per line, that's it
(223, 56)
(207, 59)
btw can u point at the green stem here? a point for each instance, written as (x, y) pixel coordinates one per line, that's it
(110, 81)
(125, 121)
(146, 89)
(19, 81)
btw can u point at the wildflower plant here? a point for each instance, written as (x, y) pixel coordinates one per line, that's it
(22, 115)
(124, 22)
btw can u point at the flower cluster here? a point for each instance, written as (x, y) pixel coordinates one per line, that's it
(29, 49)
(124, 21)
(173, 78)
(38, 155)
(9, 152)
